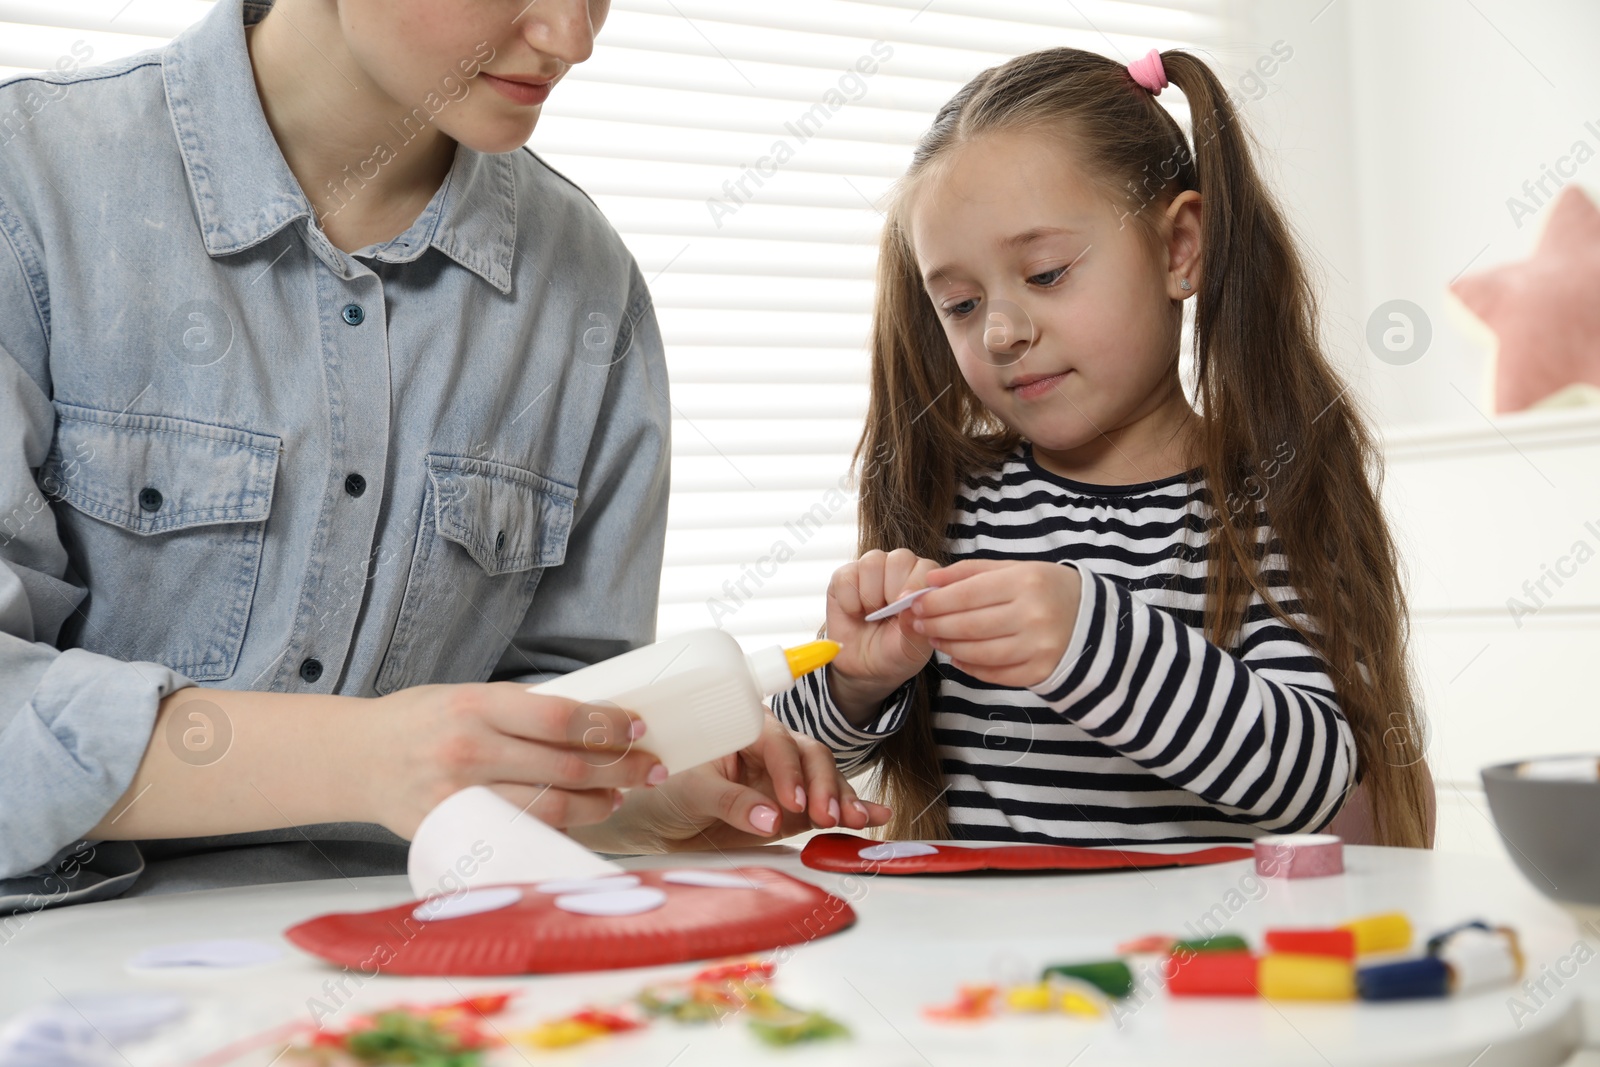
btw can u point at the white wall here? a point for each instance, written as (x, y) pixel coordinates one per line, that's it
(1399, 131)
(1396, 135)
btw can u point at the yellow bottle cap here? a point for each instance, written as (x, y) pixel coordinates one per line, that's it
(803, 659)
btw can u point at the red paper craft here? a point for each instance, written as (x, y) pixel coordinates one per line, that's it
(533, 936)
(842, 853)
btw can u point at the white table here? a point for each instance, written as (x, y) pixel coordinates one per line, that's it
(917, 938)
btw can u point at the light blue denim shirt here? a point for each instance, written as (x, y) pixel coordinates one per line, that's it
(232, 455)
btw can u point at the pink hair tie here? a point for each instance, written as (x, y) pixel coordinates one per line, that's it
(1149, 72)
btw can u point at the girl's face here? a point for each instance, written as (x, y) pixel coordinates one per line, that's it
(1062, 319)
(471, 68)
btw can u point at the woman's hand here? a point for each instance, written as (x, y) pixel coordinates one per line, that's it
(784, 784)
(877, 657)
(561, 761)
(1006, 622)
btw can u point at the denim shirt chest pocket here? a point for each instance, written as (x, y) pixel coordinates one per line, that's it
(166, 523)
(488, 531)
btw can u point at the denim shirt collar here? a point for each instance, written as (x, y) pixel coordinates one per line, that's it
(244, 191)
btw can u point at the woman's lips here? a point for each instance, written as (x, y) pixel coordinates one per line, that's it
(517, 92)
(1039, 388)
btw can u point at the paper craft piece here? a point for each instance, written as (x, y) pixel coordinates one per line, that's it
(478, 838)
(610, 882)
(893, 850)
(708, 879)
(618, 902)
(1543, 311)
(218, 953)
(535, 936)
(846, 854)
(899, 605)
(472, 902)
(86, 1029)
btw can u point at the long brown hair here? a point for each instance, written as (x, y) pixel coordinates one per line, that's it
(1263, 384)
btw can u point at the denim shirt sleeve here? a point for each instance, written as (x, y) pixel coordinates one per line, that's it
(601, 602)
(73, 725)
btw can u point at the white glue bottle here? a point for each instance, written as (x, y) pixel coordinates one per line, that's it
(699, 694)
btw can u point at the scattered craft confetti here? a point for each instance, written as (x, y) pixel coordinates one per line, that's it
(222, 952)
(442, 1035)
(732, 987)
(471, 902)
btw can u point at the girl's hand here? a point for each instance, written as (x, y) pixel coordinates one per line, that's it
(1006, 622)
(785, 783)
(877, 657)
(563, 762)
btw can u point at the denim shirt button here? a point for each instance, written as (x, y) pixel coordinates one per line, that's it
(354, 484)
(311, 670)
(353, 314)
(150, 499)
(499, 541)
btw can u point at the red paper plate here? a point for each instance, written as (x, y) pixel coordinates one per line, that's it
(533, 936)
(842, 853)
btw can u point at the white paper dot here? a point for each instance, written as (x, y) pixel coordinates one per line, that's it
(620, 902)
(893, 850)
(588, 885)
(709, 879)
(472, 902)
(237, 952)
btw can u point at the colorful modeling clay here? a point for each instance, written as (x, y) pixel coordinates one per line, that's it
(1219, 943)
(1387, 932)
(1290, 976)
(1111, 977)
(972, 1002)
(1425, 976)
(1338, 942)
(1212, 974)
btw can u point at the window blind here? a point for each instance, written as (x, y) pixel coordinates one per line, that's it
(743, 149)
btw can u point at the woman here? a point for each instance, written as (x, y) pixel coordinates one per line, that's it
(322, 394)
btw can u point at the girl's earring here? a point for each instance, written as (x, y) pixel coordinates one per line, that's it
(1183, 283)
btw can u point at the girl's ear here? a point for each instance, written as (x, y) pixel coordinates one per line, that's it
(1183, 245)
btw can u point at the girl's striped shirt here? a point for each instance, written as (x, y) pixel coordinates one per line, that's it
(1145, 731)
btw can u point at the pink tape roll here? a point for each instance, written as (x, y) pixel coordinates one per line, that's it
(1299, 855)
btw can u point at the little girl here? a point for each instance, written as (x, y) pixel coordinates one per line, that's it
(1119, 646)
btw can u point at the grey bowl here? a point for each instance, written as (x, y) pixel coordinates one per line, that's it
(1548, 826)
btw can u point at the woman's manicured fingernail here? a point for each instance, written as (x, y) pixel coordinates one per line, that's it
(657, 775)
(636, 731)
(763, 818)
(916, 624)
(861, 809)
(833, 808)
(617, 800)
(800, 796)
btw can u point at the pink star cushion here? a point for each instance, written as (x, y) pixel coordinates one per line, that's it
(1545, 311)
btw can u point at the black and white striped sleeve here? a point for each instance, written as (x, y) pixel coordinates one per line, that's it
(809, 709)
(1259, 734)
